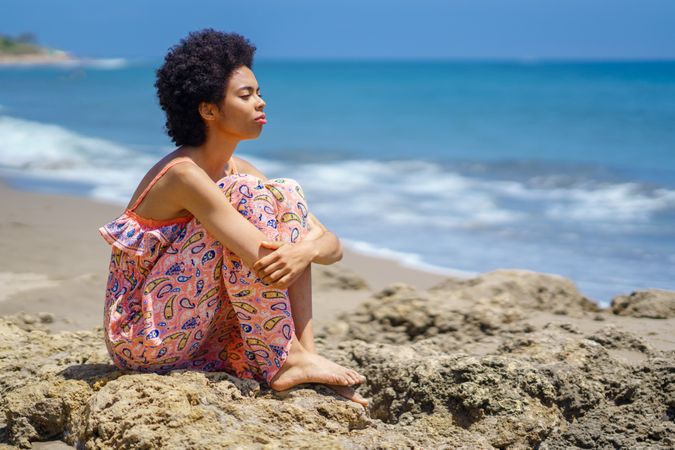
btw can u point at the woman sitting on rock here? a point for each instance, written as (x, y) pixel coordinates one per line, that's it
(211, 261)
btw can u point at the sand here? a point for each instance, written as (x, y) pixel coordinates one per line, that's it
(54, 261)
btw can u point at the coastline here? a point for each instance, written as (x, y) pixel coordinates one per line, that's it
(59, 266)
(31, 59)
(59, 262)
(521, 353)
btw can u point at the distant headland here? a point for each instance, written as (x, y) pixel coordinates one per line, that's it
(24, 50)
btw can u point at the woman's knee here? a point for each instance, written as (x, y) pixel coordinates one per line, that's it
(289, 196)
(290, 185)
(240, 188)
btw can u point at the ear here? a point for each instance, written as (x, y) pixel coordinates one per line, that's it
(207, 111)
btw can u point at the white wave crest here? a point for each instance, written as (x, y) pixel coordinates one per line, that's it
(33, 145)
(104, 63)
(418, 194)
(47, 151)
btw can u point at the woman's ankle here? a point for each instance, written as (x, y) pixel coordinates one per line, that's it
(296, 348)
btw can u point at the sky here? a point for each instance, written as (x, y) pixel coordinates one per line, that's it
(363, 29)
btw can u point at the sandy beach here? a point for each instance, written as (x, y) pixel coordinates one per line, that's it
(36, 59)
(374, 313)
(59, 262)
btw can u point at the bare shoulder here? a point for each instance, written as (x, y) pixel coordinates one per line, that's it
(193, 189)
(161, 184)
(244, 166)
(189, 173)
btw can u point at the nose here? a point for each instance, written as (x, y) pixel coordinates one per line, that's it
(261, 103)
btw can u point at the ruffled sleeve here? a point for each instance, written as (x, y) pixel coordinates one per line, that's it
(132, 237)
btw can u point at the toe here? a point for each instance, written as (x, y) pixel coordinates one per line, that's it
(357, 377)
(342, 380)
(353, 376)
(350, 394)
(359, 399)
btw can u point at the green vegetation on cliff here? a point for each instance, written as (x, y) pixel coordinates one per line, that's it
(23, 44)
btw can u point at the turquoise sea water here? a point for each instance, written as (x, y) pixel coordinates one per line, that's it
(558, 167)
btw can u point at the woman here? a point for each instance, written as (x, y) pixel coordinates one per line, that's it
(211, 262)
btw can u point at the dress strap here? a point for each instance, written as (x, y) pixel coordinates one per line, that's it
(157, 177)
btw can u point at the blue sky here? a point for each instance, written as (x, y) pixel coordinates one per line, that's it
(304, 29)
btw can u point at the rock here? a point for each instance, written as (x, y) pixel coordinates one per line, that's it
(652, 303)
(26, 322)
(43, 410)
(531, 394)
(459, 366)
(641, 416)
(336, 276)
(521, 288)
(64, 386)
(400, 314)
(46, 317)
(612, 337)
(27, 318)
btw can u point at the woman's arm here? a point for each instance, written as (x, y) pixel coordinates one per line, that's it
(325, 247)
(328, 248)
(194, 190)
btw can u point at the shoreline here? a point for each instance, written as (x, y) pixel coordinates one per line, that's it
(408, 261)
(59, 262)
(413, 340)
(58, 266)
(31, 59)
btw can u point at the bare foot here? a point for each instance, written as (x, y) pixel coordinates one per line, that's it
(349, 393)
(345, 391)
(305, 367)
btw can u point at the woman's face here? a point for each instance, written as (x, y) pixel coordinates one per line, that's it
(236, 115)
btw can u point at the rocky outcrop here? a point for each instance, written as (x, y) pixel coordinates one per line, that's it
(652, 303)
(470, 373)
(527, 289)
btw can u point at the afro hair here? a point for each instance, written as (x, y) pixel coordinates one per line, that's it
(194, 71)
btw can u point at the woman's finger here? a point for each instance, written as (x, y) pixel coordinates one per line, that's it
(265, 260)
(270, 269)
(284, 280)
(279, 274)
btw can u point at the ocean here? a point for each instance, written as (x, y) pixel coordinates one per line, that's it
(456, 167)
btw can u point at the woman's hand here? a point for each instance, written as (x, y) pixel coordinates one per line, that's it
(285, 264)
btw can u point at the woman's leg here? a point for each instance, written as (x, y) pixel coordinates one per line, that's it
(178, 302)
(278, 209)
(300, 294)
(290, 198)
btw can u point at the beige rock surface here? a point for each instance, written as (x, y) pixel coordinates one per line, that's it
(440, 375)
(652, 303)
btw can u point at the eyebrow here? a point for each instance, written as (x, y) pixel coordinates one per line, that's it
(247, 87)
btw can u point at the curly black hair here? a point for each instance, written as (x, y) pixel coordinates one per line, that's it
(197, 70)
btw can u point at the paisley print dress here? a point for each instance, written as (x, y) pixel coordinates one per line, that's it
(178, 299)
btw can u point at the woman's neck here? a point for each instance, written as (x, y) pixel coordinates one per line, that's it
(213, 156)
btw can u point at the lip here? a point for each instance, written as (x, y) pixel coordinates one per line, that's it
(262, 119)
